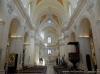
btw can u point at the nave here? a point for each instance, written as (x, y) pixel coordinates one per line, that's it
(49, 36)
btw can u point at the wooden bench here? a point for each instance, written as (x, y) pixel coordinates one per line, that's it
(35, 70)
(59, 69)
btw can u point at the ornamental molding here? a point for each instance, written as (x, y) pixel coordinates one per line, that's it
(23, 12)
(76, 13)
(2, 22)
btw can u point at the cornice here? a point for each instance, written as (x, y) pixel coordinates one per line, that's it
(23, 12)
(2, 22)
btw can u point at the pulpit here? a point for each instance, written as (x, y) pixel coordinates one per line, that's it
(74, 58)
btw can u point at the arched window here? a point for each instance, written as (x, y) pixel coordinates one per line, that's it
(49, 39)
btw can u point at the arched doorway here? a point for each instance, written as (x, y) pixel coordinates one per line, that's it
(87, 48)
(12, 31)
(11, 36)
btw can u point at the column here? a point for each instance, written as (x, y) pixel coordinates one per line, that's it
(84, 50)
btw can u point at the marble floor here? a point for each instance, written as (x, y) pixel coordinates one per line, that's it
(50, 69)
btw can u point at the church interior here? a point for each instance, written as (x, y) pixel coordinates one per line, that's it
(49, 36)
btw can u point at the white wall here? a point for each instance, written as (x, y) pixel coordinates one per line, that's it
(89, 11)
(9, 11)
(84, 49)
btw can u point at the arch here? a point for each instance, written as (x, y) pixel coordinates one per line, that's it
(86, 40)
(13, 27)
(85, 27)
(12, 31)
(53, 10)
(54, 16)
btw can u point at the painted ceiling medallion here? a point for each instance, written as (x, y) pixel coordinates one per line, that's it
(38, 1)
(61, 2)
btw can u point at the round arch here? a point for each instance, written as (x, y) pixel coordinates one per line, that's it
(13, 26)
(53, 10)
(85, 27)
(86, 43)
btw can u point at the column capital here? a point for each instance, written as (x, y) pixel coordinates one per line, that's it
(2, 22)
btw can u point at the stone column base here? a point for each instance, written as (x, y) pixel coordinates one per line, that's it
(98, 71)
(2, 71)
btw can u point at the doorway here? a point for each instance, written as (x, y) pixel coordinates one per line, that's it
(12, 33)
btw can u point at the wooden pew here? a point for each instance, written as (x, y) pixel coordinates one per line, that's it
(59, 69)
(35, 70)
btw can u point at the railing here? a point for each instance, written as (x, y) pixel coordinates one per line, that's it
(63, 72)
(20, 73)
(78, 72)
(31, 70)
(3, 72)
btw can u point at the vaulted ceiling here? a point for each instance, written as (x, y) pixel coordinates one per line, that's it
(44, 9)
(55, 11)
